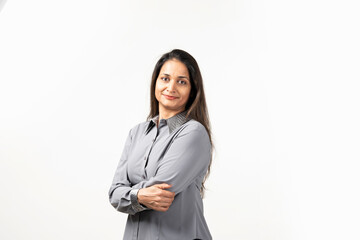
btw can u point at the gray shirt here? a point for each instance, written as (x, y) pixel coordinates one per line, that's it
(176, 152)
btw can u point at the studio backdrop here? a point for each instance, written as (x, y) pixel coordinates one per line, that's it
(282, 85)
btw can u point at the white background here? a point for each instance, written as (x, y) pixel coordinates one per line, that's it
(282, 86)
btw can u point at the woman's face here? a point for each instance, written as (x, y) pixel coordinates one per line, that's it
(173, 86)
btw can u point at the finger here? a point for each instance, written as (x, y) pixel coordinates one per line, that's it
(165, 201)
(168, 194)
(162, 209)
(163, 185)
(158, 205)
(163, 204)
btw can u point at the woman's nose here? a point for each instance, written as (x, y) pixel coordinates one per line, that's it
(171, 86)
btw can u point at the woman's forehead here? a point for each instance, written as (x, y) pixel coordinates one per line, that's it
(174, 67)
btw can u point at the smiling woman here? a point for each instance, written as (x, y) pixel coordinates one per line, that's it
(160, 178)
(172, 88)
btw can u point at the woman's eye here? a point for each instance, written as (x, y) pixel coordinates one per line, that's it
(164, 78)
(182, 82)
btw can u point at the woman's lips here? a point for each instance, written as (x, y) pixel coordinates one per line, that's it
(169, 97)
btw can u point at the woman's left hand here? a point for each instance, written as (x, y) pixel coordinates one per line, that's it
(156, 197)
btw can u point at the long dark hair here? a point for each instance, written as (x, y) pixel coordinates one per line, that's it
(196, 104)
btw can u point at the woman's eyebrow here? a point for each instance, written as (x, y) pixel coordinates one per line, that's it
(166, 74)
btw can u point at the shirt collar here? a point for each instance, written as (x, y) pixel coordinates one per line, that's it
(173, 123)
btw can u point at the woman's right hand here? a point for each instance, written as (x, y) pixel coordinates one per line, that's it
(156, 197)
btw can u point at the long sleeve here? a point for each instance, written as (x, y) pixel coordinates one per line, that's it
(176, 151)
(121, 195)
(186, 159)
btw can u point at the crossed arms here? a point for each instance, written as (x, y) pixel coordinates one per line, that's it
(186, 159)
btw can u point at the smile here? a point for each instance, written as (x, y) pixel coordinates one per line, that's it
(169, 97)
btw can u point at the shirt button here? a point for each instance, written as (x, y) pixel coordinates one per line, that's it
(144, 158)
(154, 140)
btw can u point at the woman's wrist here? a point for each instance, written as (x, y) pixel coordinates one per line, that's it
(136, 205)
(139, 196)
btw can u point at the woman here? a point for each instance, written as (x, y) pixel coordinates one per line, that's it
(159, 180)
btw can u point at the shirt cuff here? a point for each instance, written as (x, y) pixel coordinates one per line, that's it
(134, 201)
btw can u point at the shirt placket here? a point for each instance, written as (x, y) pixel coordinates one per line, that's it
(146, 159)
(154, 138)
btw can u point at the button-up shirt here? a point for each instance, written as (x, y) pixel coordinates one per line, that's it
(177, 152)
